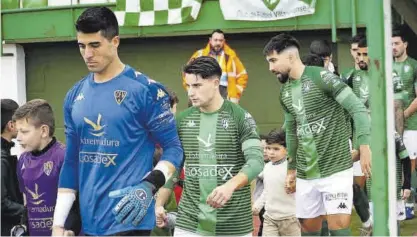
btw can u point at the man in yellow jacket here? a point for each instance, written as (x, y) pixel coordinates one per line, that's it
(234, 76)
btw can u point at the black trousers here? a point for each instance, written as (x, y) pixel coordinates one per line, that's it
(261, 217)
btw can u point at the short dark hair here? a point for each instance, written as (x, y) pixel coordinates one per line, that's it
(321, 47)
(98, 19)
(40, 113)
(313, 60)
(399, 32)
(279, 43)
(263, 136)
(363, 43)
(8, 107)
(276, 136)
(173, 98)
(205, 66)
(217, 31)
(355, 39)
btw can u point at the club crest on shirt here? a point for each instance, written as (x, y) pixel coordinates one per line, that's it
(161, 94)
(119, 96)
(306, 86)
(406, 68)
(225, 123)
(191, 124)
(47, 167)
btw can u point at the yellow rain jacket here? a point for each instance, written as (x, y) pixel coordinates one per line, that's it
(232, 68)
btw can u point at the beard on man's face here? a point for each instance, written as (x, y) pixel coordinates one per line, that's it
(282, 77)
(363, 65)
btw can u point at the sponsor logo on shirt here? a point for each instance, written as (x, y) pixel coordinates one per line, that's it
(41, 223)
(214, 155)
(286, 94)
(34, 196)
(209, 171)
(97, 128)
(311, 128)
(364, 92)
(298, 107)
(47, 167)
(119, 96)
(98, 158)
(207, 144)
(79, 97)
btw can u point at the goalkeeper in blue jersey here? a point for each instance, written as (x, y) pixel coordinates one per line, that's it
(113, 118)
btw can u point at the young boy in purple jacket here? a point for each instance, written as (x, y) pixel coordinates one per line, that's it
(38, 168)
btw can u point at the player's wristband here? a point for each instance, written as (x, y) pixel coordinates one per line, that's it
(156, 178)
(63, 206)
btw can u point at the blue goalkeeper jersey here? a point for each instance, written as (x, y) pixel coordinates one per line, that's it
(111, 129)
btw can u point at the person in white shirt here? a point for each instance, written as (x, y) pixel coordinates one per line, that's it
(279, 217)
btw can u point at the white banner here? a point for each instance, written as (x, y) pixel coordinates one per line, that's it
(265, 10)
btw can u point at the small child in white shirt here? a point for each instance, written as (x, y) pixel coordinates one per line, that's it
(279, 217)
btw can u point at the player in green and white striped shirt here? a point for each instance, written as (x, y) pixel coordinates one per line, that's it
(222, 156)
(314, 101)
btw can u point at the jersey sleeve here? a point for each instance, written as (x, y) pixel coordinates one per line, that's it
(251, 144)
(290, 137)
(160, 122)
(331, 85)
(68, 177)
(347, 76)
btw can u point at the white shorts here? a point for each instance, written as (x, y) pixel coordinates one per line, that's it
(325, 196)
(410, 142)
(400, 210)
(357, 169)
(181, 232)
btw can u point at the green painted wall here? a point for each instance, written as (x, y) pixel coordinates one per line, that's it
(53, 68)
(57, 24)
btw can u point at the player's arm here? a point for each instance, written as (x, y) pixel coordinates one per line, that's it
(290, 127)
(291, 140)
(335, 88)
(292, 144)
(68, 178)
(259, 203)
(402, 154)
(163, 129)
(412, 108)
(399, 116)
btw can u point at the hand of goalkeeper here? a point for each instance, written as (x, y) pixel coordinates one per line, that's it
(134, 204)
